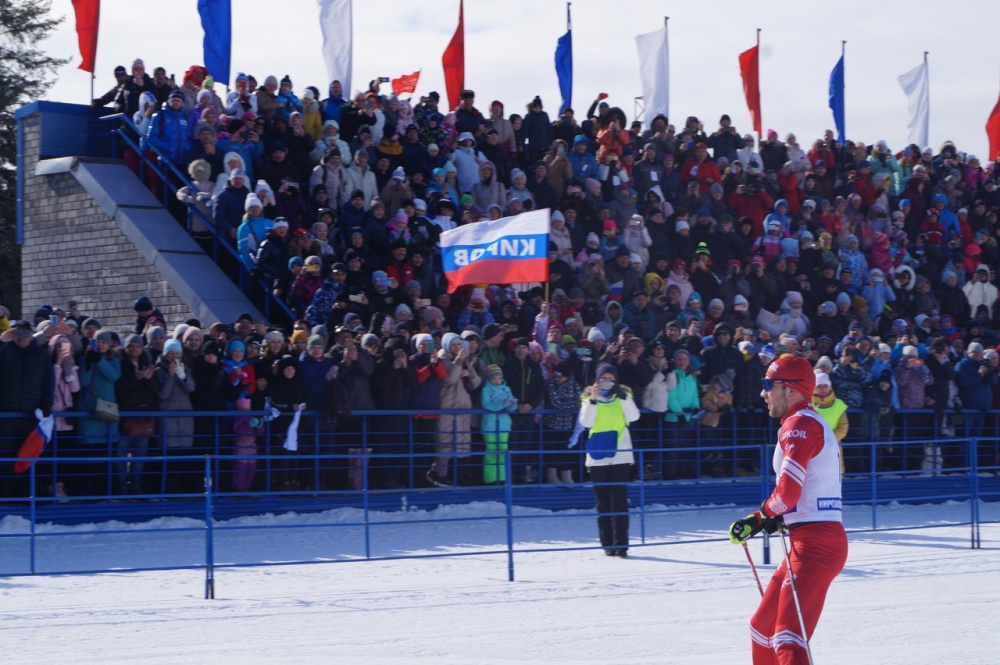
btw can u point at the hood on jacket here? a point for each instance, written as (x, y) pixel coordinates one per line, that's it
(913, 278)
(233, 155)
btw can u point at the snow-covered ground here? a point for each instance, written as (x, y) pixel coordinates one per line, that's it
(910, 596)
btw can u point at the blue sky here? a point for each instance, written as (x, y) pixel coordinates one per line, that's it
(510, 47)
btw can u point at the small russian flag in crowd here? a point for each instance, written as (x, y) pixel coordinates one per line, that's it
(35, 443)
(502, 251)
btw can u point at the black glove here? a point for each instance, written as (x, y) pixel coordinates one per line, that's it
(46, 411)
(748, 527)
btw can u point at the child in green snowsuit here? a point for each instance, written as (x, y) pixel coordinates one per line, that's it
(499, 400)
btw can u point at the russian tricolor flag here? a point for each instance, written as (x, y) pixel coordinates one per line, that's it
(502, 251)
(35, 443)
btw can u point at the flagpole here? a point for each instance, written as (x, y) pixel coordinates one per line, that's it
(569, 19)
(759, 131)
(843, 60)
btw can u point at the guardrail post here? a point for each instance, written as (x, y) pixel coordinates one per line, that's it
(209, 540)
(974, 490)
(764, 494)
(508, 495)
(32, 498)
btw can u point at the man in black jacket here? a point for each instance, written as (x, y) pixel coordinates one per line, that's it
(392, 384)
(27, 382)
(524, 377)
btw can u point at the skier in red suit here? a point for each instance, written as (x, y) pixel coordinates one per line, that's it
(807, 500)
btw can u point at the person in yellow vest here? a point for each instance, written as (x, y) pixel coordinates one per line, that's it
(607, 409)
(826, 403)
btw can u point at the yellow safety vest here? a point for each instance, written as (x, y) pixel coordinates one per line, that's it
(831, 414)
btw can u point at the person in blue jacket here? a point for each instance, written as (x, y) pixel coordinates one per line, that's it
(252, 232)
(168, 130)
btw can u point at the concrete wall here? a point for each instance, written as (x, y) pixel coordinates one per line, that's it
(73, 250)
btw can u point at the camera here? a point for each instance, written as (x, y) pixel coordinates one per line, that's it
(399, 353)
(383, 79)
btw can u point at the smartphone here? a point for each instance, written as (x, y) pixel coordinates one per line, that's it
(553, 347)
(423, 302)
(93, 345)
(430, 347)
(354, 298)
(349, 343)
(383, 281)
(399, 353)
(54, 318)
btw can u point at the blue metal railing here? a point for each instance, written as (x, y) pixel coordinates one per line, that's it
(208, 501)
(105, 144)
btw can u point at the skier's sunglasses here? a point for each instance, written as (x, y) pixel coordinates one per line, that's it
(769, 383)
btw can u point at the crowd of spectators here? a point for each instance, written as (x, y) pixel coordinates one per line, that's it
(686, 257)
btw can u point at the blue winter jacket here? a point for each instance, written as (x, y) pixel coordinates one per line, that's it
(168, 132)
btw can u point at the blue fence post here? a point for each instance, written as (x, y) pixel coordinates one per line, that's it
(508, 495)
(364, 489)
(874, 482)
(642, 497)
(33, 517)
(974, 490)
(763, 497)
(209, 536)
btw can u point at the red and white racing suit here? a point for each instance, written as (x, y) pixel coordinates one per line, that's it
(808, 495)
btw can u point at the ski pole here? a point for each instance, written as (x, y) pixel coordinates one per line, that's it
(746, 550)
(795, 596)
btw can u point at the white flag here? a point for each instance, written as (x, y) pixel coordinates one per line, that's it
(916, 85)
(654, 72)
(336, 25)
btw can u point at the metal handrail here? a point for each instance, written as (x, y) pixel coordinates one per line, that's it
(244, 277)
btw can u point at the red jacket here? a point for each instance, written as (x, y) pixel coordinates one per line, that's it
(790, 191)
(706, 175)
(755, 207)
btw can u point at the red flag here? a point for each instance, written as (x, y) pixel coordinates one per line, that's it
(993, 132)
(88, 14)
(453, 62)
(751, 84)
(405, 83)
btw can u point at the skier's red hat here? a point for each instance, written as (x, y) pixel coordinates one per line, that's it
(796, 371)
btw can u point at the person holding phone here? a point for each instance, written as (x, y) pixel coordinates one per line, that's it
(427, 397)
(607, 409)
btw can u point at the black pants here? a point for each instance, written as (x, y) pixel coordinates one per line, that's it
(612, 503)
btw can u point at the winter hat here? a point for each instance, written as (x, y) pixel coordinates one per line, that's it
(910, 351)
(491, 330)
(767, 351)
(429, 314)
(153, 333)
(975, 346)
(399, 174)
(493, 371)
(295, 261)
(595, 334)
(797, 371)
(592, 238)
(315, 340)
(740, 301)
(300, 336)
(403, 308)
(822, 379)
(237, 173)
(172, 345)
(843, 298)
(606, 368)
(681, 225)
(251, 202)
(133, 339)
(884, 348)
(715, 302)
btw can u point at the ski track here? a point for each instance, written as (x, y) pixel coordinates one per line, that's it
(904, 597)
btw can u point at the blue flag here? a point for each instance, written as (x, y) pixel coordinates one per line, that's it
(216, 21)
(564, 69)
(837, 98)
